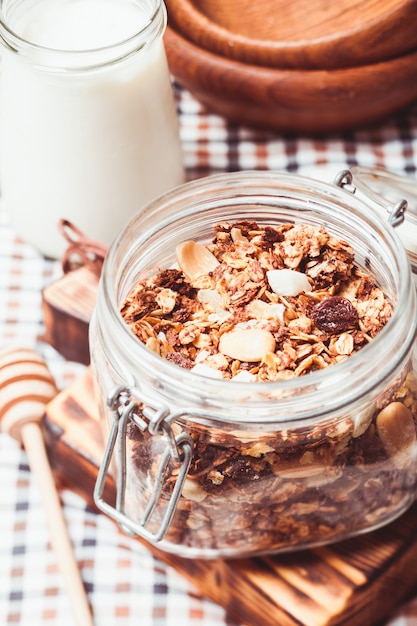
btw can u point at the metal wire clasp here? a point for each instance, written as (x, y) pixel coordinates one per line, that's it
(344, 179)
(131, 405)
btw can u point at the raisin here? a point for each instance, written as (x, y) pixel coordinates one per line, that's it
(334, 315)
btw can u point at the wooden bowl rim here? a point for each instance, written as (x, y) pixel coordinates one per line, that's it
(360, 46)
(310, 101)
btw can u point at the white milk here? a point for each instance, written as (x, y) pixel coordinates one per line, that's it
(90, 145)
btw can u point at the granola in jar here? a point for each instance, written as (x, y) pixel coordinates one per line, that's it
(259, 304)
(263, 304)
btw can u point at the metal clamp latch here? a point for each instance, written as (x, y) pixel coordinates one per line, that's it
(344, 180)
(131, 405)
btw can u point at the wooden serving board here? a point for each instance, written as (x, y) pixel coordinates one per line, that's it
(354, 583)
(67, 306)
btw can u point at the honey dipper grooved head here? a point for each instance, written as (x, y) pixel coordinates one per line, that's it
(26, 387)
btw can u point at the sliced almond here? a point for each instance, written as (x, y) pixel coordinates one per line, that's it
(243, 377)
(248, 345)
(396, 429)
(263, 310)
(205, 370)
(257, 449)
(194, 259)
(287, 282)
(236, 234)
(192, 491)
(362, 421)
(166, 300)
(213, 299)
(153, 344)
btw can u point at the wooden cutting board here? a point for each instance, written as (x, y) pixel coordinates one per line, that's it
(353, 583)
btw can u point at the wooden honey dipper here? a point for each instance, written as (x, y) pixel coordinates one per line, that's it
(26, 387)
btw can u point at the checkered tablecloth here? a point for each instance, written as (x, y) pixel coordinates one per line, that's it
(125, 583)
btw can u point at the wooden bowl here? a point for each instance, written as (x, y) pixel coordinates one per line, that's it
(292, 101)
(293, 34)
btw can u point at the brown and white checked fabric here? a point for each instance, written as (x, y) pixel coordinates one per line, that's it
(127, 586)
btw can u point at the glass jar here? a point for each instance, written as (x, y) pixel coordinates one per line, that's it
(88, 124)
(304, 461)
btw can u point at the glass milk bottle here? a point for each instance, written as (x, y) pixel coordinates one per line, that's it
(89, 130)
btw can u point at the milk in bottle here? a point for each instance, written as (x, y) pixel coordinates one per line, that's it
(88, 126)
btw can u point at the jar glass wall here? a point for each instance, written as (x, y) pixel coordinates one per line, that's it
(274, 466)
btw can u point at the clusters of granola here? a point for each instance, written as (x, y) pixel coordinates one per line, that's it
(255, 492)
(266, 304)
(259, 304)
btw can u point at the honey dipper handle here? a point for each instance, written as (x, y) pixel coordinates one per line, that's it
(26, 387)
(35, 449)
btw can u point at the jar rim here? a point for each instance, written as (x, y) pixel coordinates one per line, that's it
(261, 393)
(85, 59)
